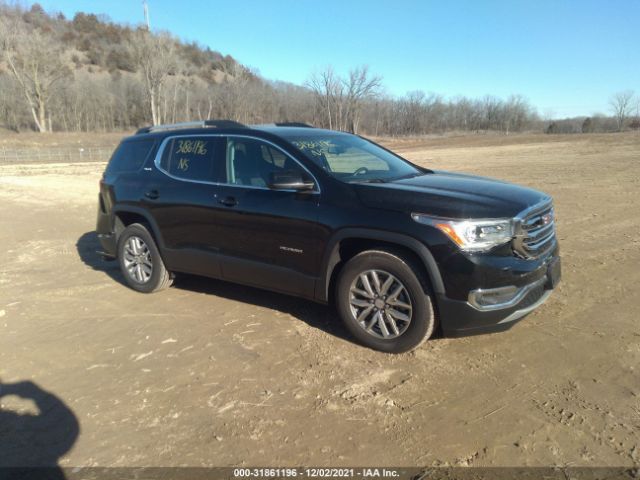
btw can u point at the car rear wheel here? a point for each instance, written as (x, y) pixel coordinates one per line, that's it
(383, 303)
(140, 260)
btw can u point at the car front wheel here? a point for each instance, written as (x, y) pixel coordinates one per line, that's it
(383, 303)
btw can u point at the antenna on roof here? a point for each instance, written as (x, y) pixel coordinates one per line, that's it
(146, 14)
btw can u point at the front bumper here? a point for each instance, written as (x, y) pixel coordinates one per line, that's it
(459, 318)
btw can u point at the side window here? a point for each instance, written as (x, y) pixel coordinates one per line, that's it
(190, 158)
(250, 162)
(130, 156)
(273, 156)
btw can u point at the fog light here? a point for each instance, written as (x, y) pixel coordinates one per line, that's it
(493, 298)
(501, 297)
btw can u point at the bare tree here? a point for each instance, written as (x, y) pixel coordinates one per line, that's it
(156, 59)
(13, 109)
(327, 88)
(636, 121)
(621, 106)
(515, 113)
(35, 64)
(341, 99)
(414, 108)
(360, 86)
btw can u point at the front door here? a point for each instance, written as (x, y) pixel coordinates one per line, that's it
(271, 238)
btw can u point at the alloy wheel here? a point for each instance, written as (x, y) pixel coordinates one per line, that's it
(137, 259)
(380, 304)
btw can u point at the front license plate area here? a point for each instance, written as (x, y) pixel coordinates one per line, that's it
(554, 272)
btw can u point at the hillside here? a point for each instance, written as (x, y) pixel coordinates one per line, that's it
(95, 44)
(95, 80)
(89, 74)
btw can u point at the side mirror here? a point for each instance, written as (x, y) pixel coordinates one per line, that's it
(289, 180)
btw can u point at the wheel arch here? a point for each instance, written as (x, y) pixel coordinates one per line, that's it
(126, 215)
(350, 241)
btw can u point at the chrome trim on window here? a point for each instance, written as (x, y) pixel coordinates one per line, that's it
(166, 140)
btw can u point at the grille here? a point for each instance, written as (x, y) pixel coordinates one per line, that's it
(536, 232)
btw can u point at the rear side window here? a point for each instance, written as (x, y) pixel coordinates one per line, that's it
(190, 158)
(130, 156)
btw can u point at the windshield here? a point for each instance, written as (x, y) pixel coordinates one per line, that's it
(352, 159)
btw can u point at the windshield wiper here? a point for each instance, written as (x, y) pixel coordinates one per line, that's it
(369, 180)
(409, 175)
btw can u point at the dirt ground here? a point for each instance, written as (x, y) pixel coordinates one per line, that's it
(208, 373)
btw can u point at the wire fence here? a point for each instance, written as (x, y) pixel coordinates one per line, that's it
(53, 155)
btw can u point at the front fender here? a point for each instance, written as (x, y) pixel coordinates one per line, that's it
(331, 256)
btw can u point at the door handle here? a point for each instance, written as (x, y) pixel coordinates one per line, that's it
(152, 194)
(228, 202)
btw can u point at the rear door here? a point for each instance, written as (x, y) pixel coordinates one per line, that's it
(270, 238)
(183, 199)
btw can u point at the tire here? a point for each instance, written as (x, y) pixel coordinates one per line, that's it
(140, 260)
(361, 311)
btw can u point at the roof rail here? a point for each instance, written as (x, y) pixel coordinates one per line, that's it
(293, 124)
(198, 124)
(283, 124)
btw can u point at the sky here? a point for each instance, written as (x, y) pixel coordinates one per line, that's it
(566, 57)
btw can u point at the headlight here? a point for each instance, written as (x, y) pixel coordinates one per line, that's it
(472, 235)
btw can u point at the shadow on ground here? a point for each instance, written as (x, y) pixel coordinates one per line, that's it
(322, 317)
(318, 316)
(88, 247)
(29, 440)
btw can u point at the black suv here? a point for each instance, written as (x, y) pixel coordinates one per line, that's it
(332, 217)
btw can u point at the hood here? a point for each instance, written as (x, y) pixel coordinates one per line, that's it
(452, 195)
